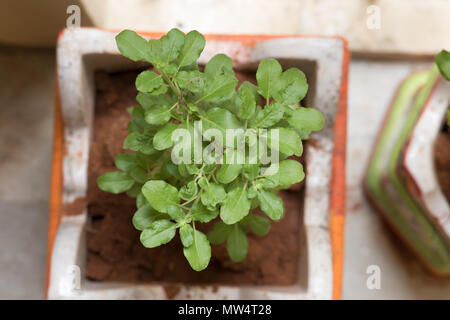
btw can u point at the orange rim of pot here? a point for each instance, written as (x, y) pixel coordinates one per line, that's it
(337, 180)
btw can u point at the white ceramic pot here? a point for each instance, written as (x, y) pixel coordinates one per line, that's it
(418, 158)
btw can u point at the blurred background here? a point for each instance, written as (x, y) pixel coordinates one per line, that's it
(388, 40)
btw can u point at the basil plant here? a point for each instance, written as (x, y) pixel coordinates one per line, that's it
(204, 150)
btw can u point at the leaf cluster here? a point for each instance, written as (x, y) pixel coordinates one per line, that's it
(175, 94)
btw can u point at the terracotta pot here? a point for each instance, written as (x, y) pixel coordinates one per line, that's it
(324, 60)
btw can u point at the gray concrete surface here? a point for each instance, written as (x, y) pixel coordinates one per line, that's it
(26, 102)
(26, 111)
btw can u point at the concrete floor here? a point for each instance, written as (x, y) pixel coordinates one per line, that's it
(26, 110)
(26, 107)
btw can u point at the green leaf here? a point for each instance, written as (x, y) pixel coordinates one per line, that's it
(219, 233)
(210, 168)
(147, 161)
(271, 204)
(192, 80)
(252, 192)
(219, 88)
(137, 123)
(251, 171)
(228, 172)
(237, 244)
(126, 161)
(259, 225)
(220, 64)
(268, 77)
(288, 142)
(172, 169)
(293, 87)
(139, 142)
(213, 194)
(170, 69)
(115, 182)
(160, 232)
(132, 141)
(267, 183)
(303, 134)
(140, 200)
(442, 60)
(139, 175)
(247, 103)
(203, 182)
(289, 172)
(221, 119)
(236, 205)
(132, 45)
(254, 204)
(155, 51)
(145, 216)
(158, 115)
(175, 212)
(202, 213)
(253, 89)
(134, 191)
(171, 45)
(194, 42)
(182, 170)
(306, 119)
(267, 117)
(163, 138)
(148, 82)
(147, 101)
(160, 195)
(192, 168)
(186, 235)
(198, 253)
(189, 191)
(191, 67)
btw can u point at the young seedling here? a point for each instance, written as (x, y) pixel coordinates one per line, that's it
(183, 110)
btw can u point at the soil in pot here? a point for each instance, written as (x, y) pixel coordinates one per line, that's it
(442, 160)
(114, 250)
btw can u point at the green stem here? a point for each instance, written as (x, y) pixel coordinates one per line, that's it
(171, 84)
(175, 104)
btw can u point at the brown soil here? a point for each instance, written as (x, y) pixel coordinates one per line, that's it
(75, 207)
(114, 250)
(442, 161)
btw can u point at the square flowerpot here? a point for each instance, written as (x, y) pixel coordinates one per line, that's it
(324, 60)
(401, 180)
(418, 160)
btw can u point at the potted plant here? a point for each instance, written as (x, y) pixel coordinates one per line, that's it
(402, 179)
(182, 196)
